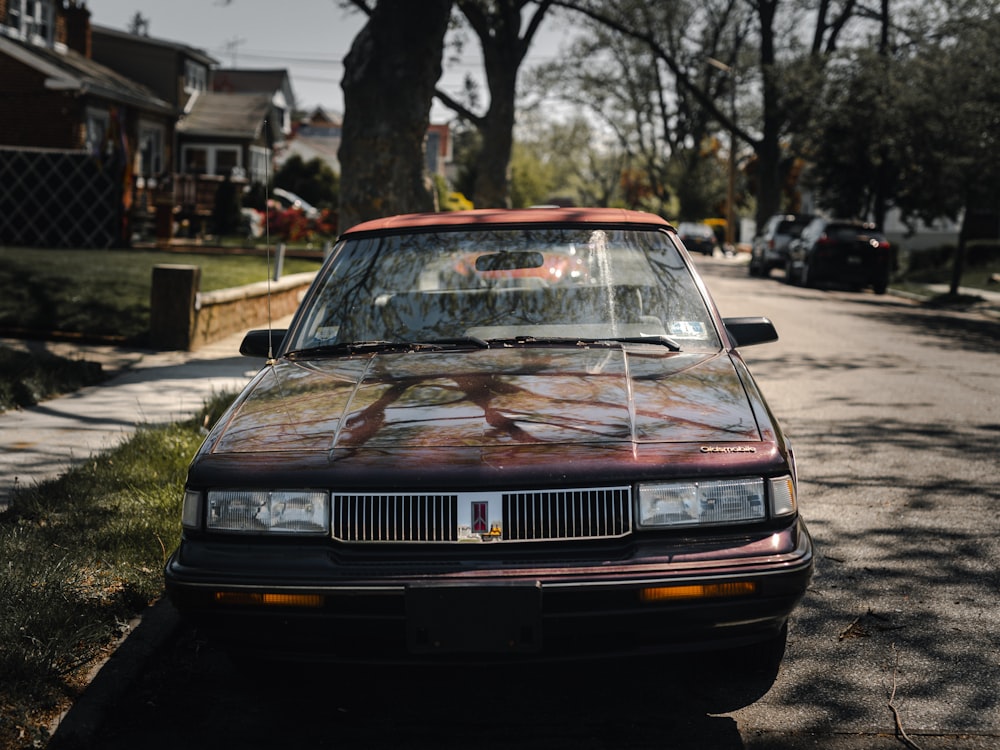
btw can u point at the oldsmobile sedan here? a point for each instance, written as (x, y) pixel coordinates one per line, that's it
(453, 454)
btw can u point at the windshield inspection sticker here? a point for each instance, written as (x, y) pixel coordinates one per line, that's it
(688, 329)
(326, 333)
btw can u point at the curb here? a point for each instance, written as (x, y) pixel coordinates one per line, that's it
(76, 728)
(986, 307)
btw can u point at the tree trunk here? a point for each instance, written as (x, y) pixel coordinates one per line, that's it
(769, 147)
(497, 24)
(492, 186)
(958, 262)
(389, 79)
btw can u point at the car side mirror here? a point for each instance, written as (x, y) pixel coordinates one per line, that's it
(262, 343)
(750, 331)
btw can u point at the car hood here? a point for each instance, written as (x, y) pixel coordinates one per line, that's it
(489, 398)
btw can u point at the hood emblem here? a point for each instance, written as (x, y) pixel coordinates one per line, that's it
(728, 449)
(480, 520)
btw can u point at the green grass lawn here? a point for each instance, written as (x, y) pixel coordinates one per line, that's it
(83, 554)
(105, 293)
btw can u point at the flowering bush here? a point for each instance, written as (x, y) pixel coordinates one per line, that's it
(292, 225)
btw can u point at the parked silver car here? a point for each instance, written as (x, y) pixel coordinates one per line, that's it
(770, 246)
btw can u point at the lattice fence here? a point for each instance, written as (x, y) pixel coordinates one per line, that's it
(51, 198)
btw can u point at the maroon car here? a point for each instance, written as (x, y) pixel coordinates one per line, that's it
(497, 463)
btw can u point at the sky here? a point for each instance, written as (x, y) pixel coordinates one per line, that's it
(309, 41)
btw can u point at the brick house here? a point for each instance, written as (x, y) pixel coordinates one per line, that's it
(103, 128)
(70, 132)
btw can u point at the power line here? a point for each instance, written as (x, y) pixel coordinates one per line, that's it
(338, 60)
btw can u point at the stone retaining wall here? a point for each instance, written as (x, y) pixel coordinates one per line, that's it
(181, 317)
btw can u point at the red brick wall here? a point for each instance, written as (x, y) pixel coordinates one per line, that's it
(33, 116)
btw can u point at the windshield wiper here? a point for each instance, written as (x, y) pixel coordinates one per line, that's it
(663, 340)
(435, 345)
(364, 347)
(584, 341)
(455, 341)
(348, 347)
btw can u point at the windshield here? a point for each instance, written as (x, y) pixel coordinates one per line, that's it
(505, 284)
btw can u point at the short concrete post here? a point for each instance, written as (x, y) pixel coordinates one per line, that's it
(279, 262)
(172, 306)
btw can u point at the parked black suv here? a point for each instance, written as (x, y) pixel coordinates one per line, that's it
(843, 251)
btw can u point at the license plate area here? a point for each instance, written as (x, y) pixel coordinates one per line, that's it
(474, 619)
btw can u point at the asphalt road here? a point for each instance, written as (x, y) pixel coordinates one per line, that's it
(894, 413)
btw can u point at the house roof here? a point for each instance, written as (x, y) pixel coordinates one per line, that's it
(249, 80)
(322, 148)
(71, 71)
(320, 118)
(227, 115)
(193, 52)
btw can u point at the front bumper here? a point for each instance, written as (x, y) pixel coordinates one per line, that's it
(639, 604)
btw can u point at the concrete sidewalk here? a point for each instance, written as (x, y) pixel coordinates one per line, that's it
(148, 387)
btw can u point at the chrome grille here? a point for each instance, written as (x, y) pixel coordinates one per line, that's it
(525, 516)
(567, 514)
(395, 518)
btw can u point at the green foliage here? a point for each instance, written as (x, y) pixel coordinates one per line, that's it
(313, 180)
(914, 126)
(83, 554)
(850, 140)
(564, 161)
(699, 179)
(466, 143)
(441, 189)
(935, 266)
(531, 180)
(950, 120)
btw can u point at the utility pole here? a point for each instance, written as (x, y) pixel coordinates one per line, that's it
(731, 177)
(231, 46)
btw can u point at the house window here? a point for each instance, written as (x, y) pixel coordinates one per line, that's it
(217, 160)
(151, 139)
(195, 76)
(195, 160)
(226, 160)
(98, 122)
(260, 164)
(31, 20)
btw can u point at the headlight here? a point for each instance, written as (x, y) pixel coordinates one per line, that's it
(713, 502)
(262, 511)
(191, 513)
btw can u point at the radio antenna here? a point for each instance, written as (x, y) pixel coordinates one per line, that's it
(267, 247)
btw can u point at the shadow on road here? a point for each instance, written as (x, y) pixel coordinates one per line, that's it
(194, 696)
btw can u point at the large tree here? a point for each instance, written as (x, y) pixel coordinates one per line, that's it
(621, 80)
(389, 78)
(747, 36)
(505, 40)
(949, 121)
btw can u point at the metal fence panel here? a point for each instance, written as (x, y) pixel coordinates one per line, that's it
(51, 198)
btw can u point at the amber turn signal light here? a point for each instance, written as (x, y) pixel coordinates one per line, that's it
(697, 591)
(268, 600)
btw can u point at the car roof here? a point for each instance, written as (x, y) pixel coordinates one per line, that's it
(500, 216)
